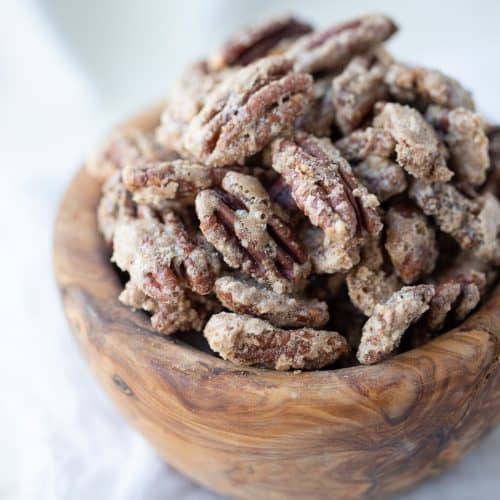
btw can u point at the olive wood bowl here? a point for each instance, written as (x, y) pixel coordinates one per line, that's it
(359, 432)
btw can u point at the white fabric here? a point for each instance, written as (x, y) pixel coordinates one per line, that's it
(67, 71)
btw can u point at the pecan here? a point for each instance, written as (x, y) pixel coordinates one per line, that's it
(385, 327)
(247, 110)
(153, 183)
(246, 297)
(116, 202)
(250, 341)
(464, 134)
(410, 242)
(185, 100)
(254, 42)
(244, 226)
(473, 223)
(325, 189)
(423, 87)
(459, 290)
(190, 312)
(418, 149)
(368, 287)
(163, 257)
(320, 115)
(330, 49)
(356, 90)
(125, 147)
(382, 177)
(361, 144)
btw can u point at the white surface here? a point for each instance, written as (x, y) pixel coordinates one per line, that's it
(67, 71)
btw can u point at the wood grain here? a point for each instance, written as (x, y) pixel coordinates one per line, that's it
(360, 432)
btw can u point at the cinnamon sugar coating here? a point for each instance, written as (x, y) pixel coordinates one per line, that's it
(246, 297)
(247, 110)
(385, 327)
(418, 149)
(248, 341)
(305, 182)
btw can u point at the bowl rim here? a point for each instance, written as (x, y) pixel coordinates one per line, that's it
(80, 203)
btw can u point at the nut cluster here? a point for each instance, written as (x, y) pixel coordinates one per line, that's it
(306, 199)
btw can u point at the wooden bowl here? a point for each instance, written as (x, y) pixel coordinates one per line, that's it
(254, 433)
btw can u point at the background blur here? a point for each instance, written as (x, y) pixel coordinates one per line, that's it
(69, 69)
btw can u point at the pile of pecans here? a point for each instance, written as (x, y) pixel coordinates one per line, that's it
(306, 199)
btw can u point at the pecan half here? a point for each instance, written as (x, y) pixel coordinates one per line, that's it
(410, 242)
(325, 189)
(356, 90)
(247, 110)
(254, 42)
(163, 257)
(473, 223)
(153, 183)
(385, 327)
(383, 177)
(423, 87)
(246, 297)
(418, 149)
(330, 49)
(125, 147)
(184, 101)
(361, 144)
(244, 226)
(464, 134)
(248, 341)
(189, 313)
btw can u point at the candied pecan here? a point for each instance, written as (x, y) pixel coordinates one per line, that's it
(385, 327)
(331, 48)
(246, 297)
(473, 223)
(185, 100)
(410, 242)
(418, 148)
(464, 134)
(125, 147)
(116, 202)
(356, 90)
(361, 144)
(325, 189)
(189, 313)
(247, 110)
(163, 257)
(319, 116)
(368, 287)
(244, 226)
(254, 42)
(382, 177)
(422, 87)
(247, 341)
(153, 183)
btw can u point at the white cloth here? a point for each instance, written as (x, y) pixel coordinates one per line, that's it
(67, 71)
